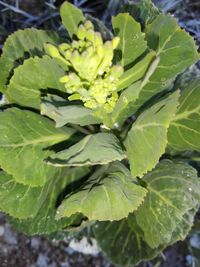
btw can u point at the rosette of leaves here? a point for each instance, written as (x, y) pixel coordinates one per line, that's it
(95, 133)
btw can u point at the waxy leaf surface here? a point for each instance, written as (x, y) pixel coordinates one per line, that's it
(123, 242)
(100, 148)
(147, 139)
(71, 17)
(44, 222)
(18, 200)
(62, 113)
(34, 75)
(176, 50)
(132, 40)
(123, 108)
(24, 139)
(173, 191)
(136, 72)
(109, 194)
(184, 131)
(16, 48)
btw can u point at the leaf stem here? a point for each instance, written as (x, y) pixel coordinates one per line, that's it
(80, 129)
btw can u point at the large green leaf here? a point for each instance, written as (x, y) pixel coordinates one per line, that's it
(147, 139)
(109, 194)
(44, 222)
(184, 226)
(16, 48)
(34, 75)
(100, 148)
(136, 72)
(184, 130)
(132, 40)
(18, 200)
(123, 108)
(62, 113)
(127, 237)
(174, 190)
(176, 50)
(143, 11)
(71, 17)
(123, 242)
(24, 138)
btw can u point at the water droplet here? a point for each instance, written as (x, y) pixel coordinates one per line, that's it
(190, 189)
(163, 79)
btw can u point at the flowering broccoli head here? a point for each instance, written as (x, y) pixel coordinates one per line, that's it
(91, 76)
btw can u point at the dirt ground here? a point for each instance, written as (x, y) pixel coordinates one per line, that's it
(18, 250)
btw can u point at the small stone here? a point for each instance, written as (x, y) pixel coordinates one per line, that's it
(1, 230)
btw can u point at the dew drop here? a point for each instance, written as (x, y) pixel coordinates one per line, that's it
(190, 189)
(163, 79)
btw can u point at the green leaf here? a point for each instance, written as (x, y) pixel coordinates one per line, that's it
(18, 200)
(136, 72)
(34, 75)
(184, 226)
(109, 194)
(44, 222)
(174, 190)
(132, 40)
(100, 148)
(24, 138)
(147, 139)
(176, 50)
(123, 108)
(62, 113)
(123, 242)
(71, 17)
(184, 130)
(144, 11)
(16, 48)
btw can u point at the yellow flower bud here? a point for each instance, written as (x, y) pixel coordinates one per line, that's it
(115, 42)
(53, 51)
(88, 25)
(64, 79)
(74, 97)
(63, 47)
(81, 32)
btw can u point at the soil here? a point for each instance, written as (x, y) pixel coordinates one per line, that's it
(19, 250)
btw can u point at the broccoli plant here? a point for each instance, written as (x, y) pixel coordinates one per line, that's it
(97, 132)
